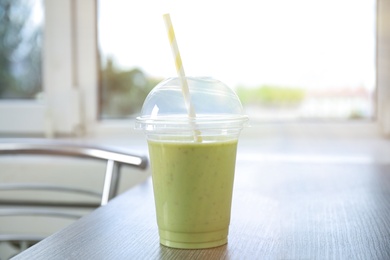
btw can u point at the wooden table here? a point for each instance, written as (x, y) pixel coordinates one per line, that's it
(287, 210)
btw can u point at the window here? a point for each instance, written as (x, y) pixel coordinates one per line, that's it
(21, 25)
(286, 59)
(21, 31)
(78, 100)
(68, 104)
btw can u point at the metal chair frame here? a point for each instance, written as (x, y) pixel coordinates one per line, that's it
(115, 159)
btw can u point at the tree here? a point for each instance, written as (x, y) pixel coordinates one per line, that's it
(20, 50)
(123, 92)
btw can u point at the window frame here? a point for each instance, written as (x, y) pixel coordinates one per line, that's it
(58, 113)
(380, 122)
(383, 66)
(71, 79)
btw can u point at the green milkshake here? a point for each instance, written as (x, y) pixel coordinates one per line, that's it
(192, 158)
(193, 185)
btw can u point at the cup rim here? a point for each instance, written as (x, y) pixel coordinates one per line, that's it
(218, 121)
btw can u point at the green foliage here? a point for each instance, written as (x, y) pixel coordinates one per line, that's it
(271, 95)
(123, 91)
(356, 114)
(20, 51)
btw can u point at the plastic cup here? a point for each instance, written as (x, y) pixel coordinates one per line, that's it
(192, 177)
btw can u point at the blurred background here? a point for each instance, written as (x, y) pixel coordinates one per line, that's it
(284, 61)
(287, 60)
(21, 31)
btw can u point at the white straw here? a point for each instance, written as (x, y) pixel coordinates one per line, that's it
(180, 72)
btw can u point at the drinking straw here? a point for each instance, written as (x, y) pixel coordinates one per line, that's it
(181, 74)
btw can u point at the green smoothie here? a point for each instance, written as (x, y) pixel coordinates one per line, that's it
(193, 185)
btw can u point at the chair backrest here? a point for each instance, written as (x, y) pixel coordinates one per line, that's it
(114, 159)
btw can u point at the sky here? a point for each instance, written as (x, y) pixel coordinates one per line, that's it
(301, 43)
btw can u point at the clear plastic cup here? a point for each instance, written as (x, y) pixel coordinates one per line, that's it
(192, 177)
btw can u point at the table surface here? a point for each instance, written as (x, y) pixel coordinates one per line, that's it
(289, 210)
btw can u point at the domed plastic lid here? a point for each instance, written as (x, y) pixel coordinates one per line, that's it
(216, 106)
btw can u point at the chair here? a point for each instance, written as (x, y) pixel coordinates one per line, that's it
(66, 209)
